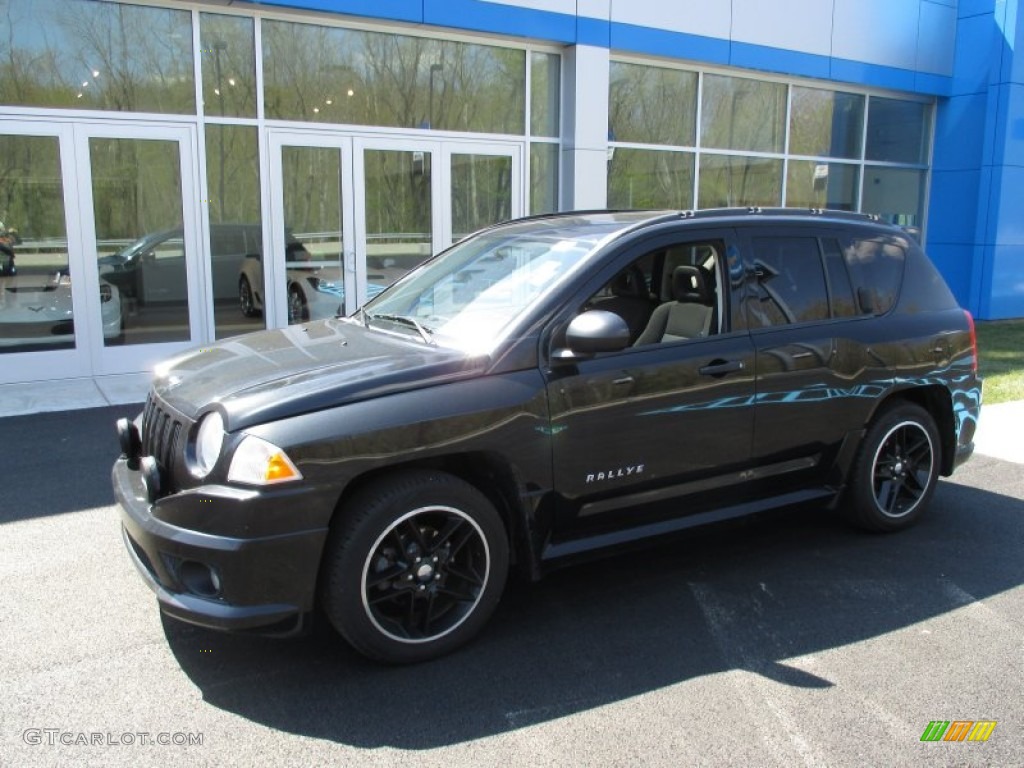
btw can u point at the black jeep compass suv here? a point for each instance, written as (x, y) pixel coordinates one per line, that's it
(545, 389)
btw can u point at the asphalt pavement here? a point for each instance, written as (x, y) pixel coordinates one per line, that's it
(789, 639)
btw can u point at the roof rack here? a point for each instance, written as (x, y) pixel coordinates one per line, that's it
(756, 210)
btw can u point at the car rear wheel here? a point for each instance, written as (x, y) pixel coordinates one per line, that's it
(896, 470)
(415, 567)
(245, 298)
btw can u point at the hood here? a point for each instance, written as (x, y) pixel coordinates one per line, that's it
(270, 375)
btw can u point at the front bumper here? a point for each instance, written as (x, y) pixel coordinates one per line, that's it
(265, 583)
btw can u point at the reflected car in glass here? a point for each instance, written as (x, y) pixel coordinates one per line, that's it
(545, 390)
(315, 288)
(36, 311)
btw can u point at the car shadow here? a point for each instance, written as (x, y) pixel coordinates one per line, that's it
(59, 461)
(752, 595)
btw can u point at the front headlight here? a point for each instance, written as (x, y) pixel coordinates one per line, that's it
(257, 462)
(209, 439)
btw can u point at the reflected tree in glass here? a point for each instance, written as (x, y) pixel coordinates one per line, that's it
(652, 105)
(737, 180)
(650, 179)
(744, 114)
(89, 55)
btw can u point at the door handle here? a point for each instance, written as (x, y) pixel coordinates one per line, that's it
(623, 381)
(720, 367)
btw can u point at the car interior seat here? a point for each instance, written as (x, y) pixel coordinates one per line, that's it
(631, 300)
(688, 315)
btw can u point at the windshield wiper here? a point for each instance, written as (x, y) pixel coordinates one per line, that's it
(425, 333)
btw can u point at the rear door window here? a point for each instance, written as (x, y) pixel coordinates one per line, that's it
(790, 282)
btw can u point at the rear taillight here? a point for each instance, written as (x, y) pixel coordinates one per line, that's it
(974, 342)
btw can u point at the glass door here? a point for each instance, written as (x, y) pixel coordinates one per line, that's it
(483, 187)
(139, 216)
(399, 209)
(349, 216)
(39, 255)
(310, 270)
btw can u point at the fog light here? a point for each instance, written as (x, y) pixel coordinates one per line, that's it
(131, 442)
(199, 579)
(150, 477)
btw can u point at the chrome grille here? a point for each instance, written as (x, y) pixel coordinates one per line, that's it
(162, 432)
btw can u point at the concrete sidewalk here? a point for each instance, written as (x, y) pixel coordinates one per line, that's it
(1000, 431)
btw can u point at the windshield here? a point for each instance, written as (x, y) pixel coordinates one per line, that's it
(474, 293)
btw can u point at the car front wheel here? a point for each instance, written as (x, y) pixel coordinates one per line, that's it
(896, 470)
(415, 567)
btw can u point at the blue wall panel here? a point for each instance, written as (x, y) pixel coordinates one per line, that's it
(955, 263)
(501, 19)
(396, 10)
(1006, 281)
(977, 39)
(959, 130)
(777, 60)
(628, 37)
(872, 74)
(954, 208)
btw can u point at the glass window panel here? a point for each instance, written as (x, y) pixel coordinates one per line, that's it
(826, 123)
(233, 184)
(645, 179)
(88, 55)
(543, 178)
(895, 194)
(840, 289)
(399, 233)
(35, 284)
(734, 180)
(877, 271)
(652, 105)
(228, 55)
(328, 74)
(481, 189)
(137, 207)
(314, 232)
(545, 93)
(821, 185)
(898, 131)
(790, 280)
(738, 113)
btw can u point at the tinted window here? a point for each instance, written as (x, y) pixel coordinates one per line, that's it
(839, 287)
(877, 271)
(790, 282)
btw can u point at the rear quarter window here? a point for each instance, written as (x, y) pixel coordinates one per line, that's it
(876, 268)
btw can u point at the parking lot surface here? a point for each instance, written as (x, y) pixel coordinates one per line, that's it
(789, 639)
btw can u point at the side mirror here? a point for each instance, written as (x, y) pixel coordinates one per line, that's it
(593, 332)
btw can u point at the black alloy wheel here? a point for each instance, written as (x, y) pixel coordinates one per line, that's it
(414, 567)
(896, 471)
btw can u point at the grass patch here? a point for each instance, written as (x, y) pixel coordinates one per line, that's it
(1001, 359)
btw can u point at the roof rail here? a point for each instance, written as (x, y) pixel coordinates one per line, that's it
(757, 210)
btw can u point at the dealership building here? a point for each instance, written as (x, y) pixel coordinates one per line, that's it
(172, 173)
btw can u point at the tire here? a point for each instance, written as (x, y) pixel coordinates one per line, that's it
(245, 298)
(415, 567)
(298, 312)
(896, 470)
